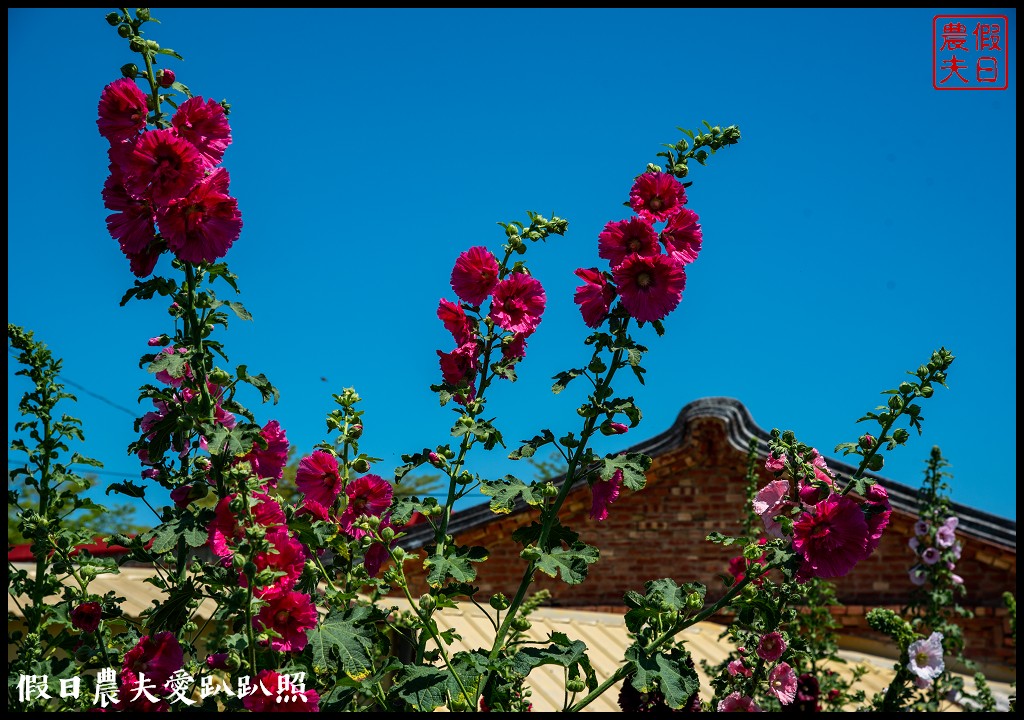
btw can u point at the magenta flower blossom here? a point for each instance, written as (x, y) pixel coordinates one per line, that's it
(925, 657)
(876, 512)
(460, 365)
(269, 463)
(626, 237)
(122, 111)
(286, 555)
(161, 166)
(225, 529)
(775, 464)
(771, 500)
(133, 224)
(649, 287)
(475, 274)
(455, 321)
(807, 691)
(368, 495)
(513, 347)
(832, 539)
(158, 656)
(165, 78)
(517, 303)
(771, 647)
(318, 477)
(736, 667)
(289, 613)
(737, 702)
(604, 493)
(945, 536)
(205, 125)
(930, 556)
(782, 683)
(657, 196)
(682, 236)
(86, 617)
(594, 296)
(281, 695)
(203, 225)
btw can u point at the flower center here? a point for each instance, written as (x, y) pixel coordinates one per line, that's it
(644, 279)
(655, 203)
(282, 617)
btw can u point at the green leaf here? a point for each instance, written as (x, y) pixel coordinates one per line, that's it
(564, 378)
(341, 640)
(570, 654)
(457, 566)
(237, 308)
(168, 51)
(174, 611)
(634, 467)
(260, 382)
(529, 447)
(571, 562)
(422, 687)
(505, 492)
(173, 363)
(669, 673)
(166, 535)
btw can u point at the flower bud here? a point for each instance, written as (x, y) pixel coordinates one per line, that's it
(201, 462)
(613, 428)
(360, 465)
(521, 624)
(900, 436)
(238, 561)
(220, 376)
(749, 592)
(227, 109)
(895, 403)
(427, 602)
(499, 602)
(694, 601)
(548, 490)
(124, 30)
(464, 478)
(130, 70)
(875, 463)
(165, 78)
(576, 685)
(136, 44)
(435, 459)
(152, 46)
(142, 14)
(926, 391)
(355, 431)
(387, 534)
(867, 441)
(113, 19)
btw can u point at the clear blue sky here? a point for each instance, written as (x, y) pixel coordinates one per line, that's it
(864, 220)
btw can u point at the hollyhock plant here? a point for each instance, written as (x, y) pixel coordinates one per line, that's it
(626, 237)
(925, 657)
(738, 702)
(460, 365)
(225, 530)
(604, 493)
(782, 683)
(775, 464)
(594, 296)
(649, 287)
(930, 556)
(204, 124)
(513, 347)
(86, 617)
(657, 196)
(268, 463)
(122, 111)
(275, 692)
(682, 236)
(877, 511)
(807, 692)
(287, 555)
(918, 575)
(771, 646)
(161, 166)
(517, 303)
(201, 226)
(770, 501)
(832, 539)
(133, 224)
(736, 667)
(455, 321)
(369, 495)
(158, 656)
(945, 536)
(318, 477)
(288, 613)
(475, 274)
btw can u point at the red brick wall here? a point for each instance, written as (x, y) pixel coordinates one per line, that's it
(660, 532)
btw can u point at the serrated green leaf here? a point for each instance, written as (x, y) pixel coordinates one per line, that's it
(634, 467)
(572, 562)
(173, 363)
(505, 492)
(458, 566)
(342, 640)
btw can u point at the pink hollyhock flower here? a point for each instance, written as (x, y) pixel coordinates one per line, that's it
(914, 543)
(122, 111)
(165, 78)
(613, 428)
(957, 580)
(286, 555)
(269, 463)
(368, 495)
(318, 477)
(138, 694)
(205, 125)
(957, 550)
(475, 274)
(156, 655)
(455, 321)
(782, 683)
(921, 527)
(161, 166)
(143, 263)
(657, 196)
(604, 493)
(217, 661)
(311, 507)
(183, 495)
(514, 347)
(771, 500)
(517, 303)
(682, 236)
(594, 296)
(952, 522)
(737, 702)
(807, 691)
(945, 536)
(201, 226)
(832, 539)
(775, 464)
(460, 365)
(133, 224)
(930, 556)
(876, 511)
(625, 237)
(289, 613)
(736, 667)
(771, 647)
(918, 575)
(926, 657)
(649, 287)
(278, 693)
(86, 617)
(225, 529)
